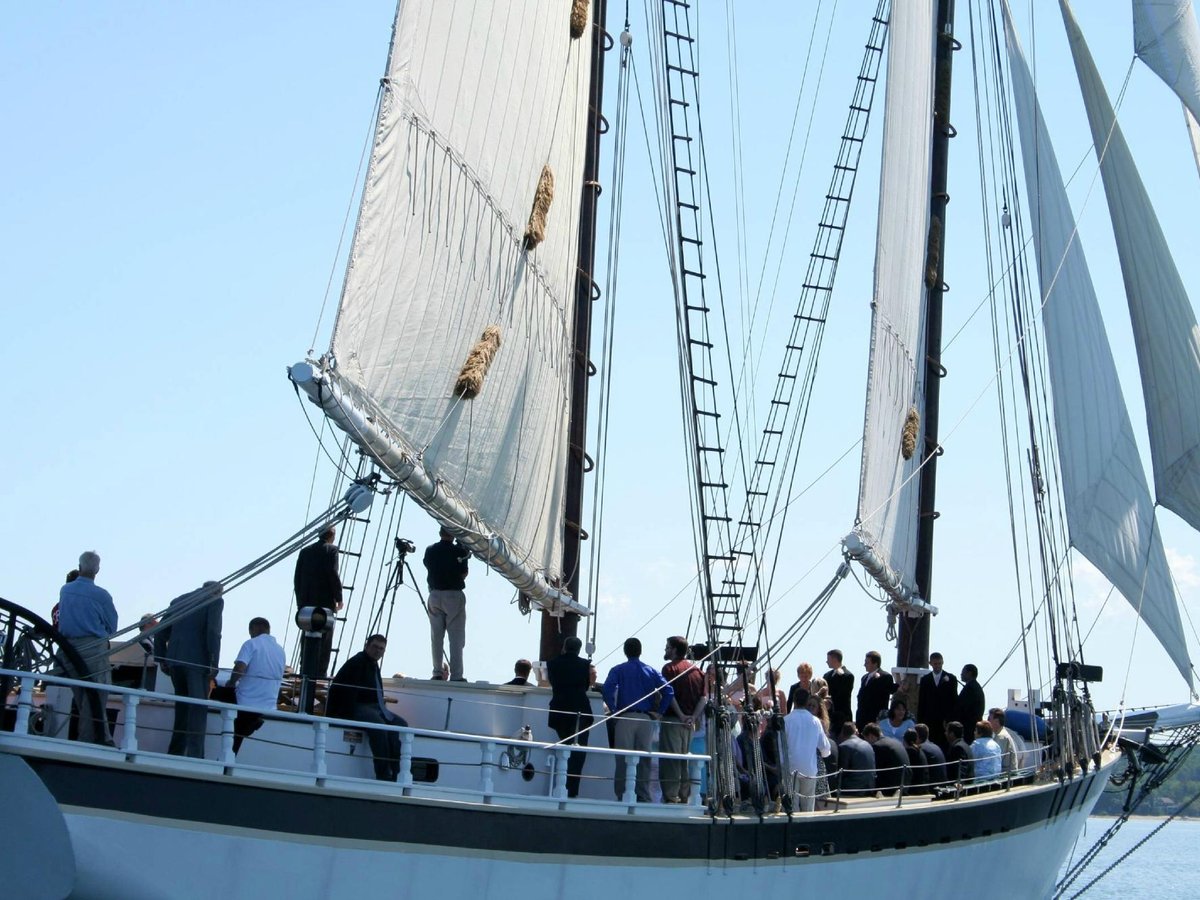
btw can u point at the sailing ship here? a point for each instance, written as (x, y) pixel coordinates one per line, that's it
(458, 371)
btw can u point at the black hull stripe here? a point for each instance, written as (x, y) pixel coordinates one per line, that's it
(281, 812)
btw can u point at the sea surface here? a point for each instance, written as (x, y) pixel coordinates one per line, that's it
(1164, 866)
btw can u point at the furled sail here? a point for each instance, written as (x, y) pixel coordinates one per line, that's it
(1167, 39)
(1110, 516)
(1164, 324)
(454, 334)
(892, 436)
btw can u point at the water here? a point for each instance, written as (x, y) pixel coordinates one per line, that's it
(1165, 866)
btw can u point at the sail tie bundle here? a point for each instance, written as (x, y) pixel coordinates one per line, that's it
(908, 437)
(579, 17)
(475, 369)
(535, 231)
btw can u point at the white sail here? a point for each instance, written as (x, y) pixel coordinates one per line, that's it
(1110, 516)
(1167, 39)
(1164, 325)
(889, 486)
(1193, 128)
(484, 107)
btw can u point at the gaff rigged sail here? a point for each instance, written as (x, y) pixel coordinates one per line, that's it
(454, 334)
(889, 489)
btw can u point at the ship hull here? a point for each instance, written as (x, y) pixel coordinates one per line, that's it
(137, 833)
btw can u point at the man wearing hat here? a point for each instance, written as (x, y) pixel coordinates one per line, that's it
(446, 565)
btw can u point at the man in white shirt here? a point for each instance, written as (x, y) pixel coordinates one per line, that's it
(257, 675)
(805, 739)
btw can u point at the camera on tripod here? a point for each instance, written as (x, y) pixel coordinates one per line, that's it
(404, 546)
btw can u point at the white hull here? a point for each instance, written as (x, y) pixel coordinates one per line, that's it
(128, 858)
(281, 821)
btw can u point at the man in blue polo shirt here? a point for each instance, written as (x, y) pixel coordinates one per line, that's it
(87, 616)
(636, 695)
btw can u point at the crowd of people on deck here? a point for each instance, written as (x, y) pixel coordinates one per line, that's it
(808, 741)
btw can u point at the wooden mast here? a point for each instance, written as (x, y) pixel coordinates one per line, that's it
(913, 645)
(556, 629)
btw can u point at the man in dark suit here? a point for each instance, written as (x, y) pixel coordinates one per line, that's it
(841, 686)
(958, 755)
(936, 697)
(891, 759)
(874, 693)
(857, 761)
(968, 709)
(188, 648)
(357, 693)
(934, 754)
(317, 584)
(570, 709)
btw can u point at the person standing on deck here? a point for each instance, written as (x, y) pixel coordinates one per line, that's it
(446, 565)
(88, 618)
(570, 709)
(317, 584)
(968, 710)
(875, 692)
(675, 732)
(806, 741)
(188, 649)
(936, 699)
(637, 695)
(841, 686)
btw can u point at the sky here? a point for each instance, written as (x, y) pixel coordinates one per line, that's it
(177, 183)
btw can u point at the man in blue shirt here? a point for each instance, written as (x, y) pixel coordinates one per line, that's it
(637, 695)
(87, 617)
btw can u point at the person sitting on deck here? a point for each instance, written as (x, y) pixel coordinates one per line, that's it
(521, 670)
(357, 694)
(257, 676)
(933, 753)
(959, 767)
(857, 761)
(985, 753)
(918, 763)
(897, 722)
(1009, 752)
(890, 759)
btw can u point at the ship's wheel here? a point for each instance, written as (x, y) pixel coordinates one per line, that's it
(31, 644)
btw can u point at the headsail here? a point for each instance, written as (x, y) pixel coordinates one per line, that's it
(1167, 39)
(466, 247)
(1110, 515)
(888, 487)
(1164, 324)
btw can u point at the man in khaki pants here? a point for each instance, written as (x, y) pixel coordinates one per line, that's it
(446, 565)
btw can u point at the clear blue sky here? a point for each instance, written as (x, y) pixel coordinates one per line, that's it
(177, 176)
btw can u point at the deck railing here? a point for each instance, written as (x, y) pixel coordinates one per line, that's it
(493, 751)
(490, 746)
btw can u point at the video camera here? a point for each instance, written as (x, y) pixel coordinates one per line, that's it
(404, 545)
